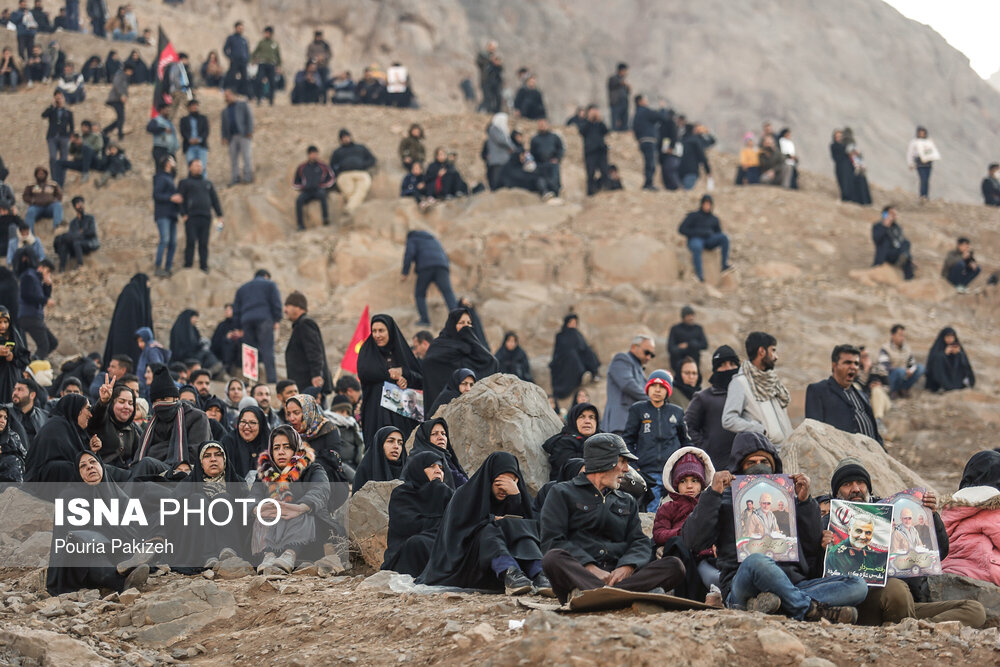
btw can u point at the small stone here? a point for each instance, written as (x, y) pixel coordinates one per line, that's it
(641, 607)
(948, 628)
(208, 574)
(461, 640)
(816, 662)
(452, 627)
(129, 596)
(646, 633)
(484, 631)
(780, 645)
(80, 630)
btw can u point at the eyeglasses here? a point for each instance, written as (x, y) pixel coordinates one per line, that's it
(246, 423)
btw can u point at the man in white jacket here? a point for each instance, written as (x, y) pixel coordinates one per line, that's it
(757, 401)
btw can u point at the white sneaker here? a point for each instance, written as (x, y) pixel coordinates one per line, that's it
(268, 562)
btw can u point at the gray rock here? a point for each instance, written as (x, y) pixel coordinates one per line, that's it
(33, 515)
(368, 520)
(48, 648)
(780, 646)
(815, 448)
(503, 413)
(174, 612)
(956, 587)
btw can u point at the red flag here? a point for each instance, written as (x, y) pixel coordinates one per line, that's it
(166, 55)
(364, 329)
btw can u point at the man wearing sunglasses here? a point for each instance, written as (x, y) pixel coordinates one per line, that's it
(627, 382)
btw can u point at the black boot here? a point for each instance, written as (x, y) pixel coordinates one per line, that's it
(515, 583)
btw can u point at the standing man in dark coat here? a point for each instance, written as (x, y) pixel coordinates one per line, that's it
(548, 150)
(305, 354)
(626, 382)
(686, 339)
(198, 200)
(194, 132)
(595, 150)
(618, 92)
(646, 127)
(703, 416)
(237, 49)
(837, 402)
(591, 533)
(426, 254)
(257, 309)
(991, 186)
(58, 133)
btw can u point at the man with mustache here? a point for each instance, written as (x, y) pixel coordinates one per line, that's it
(837, 402)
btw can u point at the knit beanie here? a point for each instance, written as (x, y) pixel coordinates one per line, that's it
(849, 470)
(723, 354)
(162, 385)
(341, 399)
(297, 299)
(688, 465)
(660, 377)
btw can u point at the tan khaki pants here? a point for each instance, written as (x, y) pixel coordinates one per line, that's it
(354, 185)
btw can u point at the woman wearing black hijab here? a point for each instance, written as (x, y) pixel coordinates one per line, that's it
(385, 357)
(12, 448)
(488, 537)
(384, 460)
(582, 422)
(415, 511)
(12, 364)
(9, 291)
(571, 358)
(55, 452)
(432, 436)
(512, 358)
(455, 347)
(948, 367)
(133, 310)
(460, 382)
(185, 342)
(113, 424)
(248, 439)
(68, 573)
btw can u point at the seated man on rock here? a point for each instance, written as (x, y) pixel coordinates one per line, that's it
(896, 600)
(591, 531)
(759, 583)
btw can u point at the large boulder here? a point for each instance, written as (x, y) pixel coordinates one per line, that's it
(956, 587)
(27, 514)
(177, 611)
(368, 520)
(815, 448)
(43, 647)
(503, 413)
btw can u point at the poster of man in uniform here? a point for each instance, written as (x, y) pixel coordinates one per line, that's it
(913, 549)
(406, 402)
(760, 527)
(861, 536)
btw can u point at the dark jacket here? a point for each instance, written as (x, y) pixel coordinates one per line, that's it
(653, 434)
(693, 335)
(703, 419)
(237, 49)
(646, 123)
(199, 123)
(313, 177)
(423, 251)
(626, 385)
(32, 422)
(352, 157)
(889, 241)
(164, 188)
(547, 146)
(60, 122)
(529, 104)
(200, 198)
(601, 529)
(991, 192)
(305, 355)
(593, 134)
(827, 402)
(694, 156)
(33, 295)
(237, 121)
(712, 523)
(700, 225)
(256, 301)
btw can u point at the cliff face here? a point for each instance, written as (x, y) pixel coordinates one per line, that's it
(811, 66)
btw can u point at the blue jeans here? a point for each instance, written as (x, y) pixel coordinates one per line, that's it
(898, 379)
(688, 180)
(924, 173)
(657, 490)
(440, 276)
(759, 574)
(260, 334)
(119, 36)
(53, 210)
(697, 245)
(168, 242)
(197, 153)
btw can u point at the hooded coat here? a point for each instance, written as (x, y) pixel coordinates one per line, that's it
(133, 310)
(972, 519)
(676, 507)
(53, 454)
(712, 523)
(470, 535)
(242, 454)
(152, 353)
(376, 466)
(374, 363)
(119, 440)
(12, 370)
(571, 358)
(451, 350)
(947, 372)
(454, 474)
(451, 390)
(568, 443)
(415, 511)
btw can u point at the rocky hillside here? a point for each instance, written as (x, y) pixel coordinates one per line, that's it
(729, 66)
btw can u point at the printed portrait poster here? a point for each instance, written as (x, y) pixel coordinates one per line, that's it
(861, 535)
(764, 513)
(250, 362)
(913, 548)
(406, 402)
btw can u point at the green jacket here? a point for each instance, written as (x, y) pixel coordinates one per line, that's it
(267, 53)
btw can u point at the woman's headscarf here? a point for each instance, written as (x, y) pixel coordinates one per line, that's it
(500, 122)
(240, 453)
(422, 443)
(226, 398)
(451, 390)
(312, 417)
(395, 349)
(10, 440)
(375, 466)
(983, 469)
(278, 480)
(119, 389)
(214, 486)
